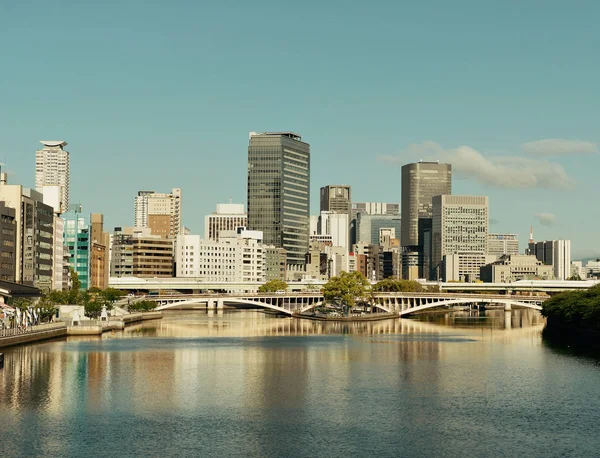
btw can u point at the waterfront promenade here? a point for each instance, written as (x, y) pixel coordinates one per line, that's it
(17, 336)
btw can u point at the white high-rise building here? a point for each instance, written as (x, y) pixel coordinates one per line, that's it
(336, 225)
(52, 169)
(235, 257)
(561, 259)
(161, 212)
(555, 253)
(228, 217)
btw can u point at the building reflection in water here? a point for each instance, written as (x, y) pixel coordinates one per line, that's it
(195, 364)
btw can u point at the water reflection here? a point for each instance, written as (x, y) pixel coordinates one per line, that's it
(269, 386)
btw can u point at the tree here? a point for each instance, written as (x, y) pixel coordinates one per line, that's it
(73, 293)
(142, 306)
(272, 286)
(347, 290)
(111, 295)
(93, 308)
(390, 285)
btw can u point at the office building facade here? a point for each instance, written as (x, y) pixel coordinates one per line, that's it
(161, 212)
(8, 243)
(238, 256)
(459, 224)
(337, 198)
(369, 227)
(77, 242)
(137, 252)
(555, 253)
(228, 217)
(279, 191)
(501, 244)
(513, 267)
(52, 168)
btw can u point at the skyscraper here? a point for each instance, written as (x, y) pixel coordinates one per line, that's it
(460, 225)
(421, 181)
(279, 191)
(337, 198)
(161, 212)
(52, 169)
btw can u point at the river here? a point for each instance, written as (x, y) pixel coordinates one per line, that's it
(244, 383)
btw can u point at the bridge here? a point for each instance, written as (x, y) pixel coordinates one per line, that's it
(296, 303)
(198, 286)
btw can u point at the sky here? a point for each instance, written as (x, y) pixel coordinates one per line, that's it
(156, 95)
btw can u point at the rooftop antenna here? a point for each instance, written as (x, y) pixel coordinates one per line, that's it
(230, 201)
(530, 234)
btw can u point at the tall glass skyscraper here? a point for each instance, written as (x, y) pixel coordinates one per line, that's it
(279, 191)
(421, 181)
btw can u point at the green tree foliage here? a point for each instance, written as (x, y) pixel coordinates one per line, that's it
(575, 308)
(93, 309)
(273, 286)
(111, 295)
(390, 285)
(142, 306)
(348, 289)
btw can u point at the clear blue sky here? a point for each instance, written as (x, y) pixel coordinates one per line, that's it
(155, 95)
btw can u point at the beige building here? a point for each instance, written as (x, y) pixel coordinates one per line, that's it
(99, 253)
(459, 224)
(511, 268)
(228, 217)
(464, 266)
(160, 212)
(138, 253)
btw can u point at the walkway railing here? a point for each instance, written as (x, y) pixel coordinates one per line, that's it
(9, 332)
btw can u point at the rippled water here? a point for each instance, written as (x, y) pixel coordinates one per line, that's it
(249, 384)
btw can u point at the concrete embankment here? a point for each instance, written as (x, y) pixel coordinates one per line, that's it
(96, 327)
(35, 334)
(85, 328)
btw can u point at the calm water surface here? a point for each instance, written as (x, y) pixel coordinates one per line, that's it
(250, 384)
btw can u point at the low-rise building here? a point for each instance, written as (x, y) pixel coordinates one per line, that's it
(238, 256)
(138, 253)
(465, 266)
(511, 268)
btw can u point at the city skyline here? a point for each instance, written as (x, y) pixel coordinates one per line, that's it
(489, 106)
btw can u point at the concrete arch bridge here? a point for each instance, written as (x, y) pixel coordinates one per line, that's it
(292, 303)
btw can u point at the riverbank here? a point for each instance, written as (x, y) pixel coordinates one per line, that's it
(574, 312)
(85, 328)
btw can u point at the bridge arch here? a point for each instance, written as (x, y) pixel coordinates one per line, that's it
(243, 301)
(462, 301)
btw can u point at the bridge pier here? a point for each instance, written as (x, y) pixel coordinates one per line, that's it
(220, 303)
(507, 307)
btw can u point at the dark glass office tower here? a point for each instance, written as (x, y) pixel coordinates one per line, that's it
(279, 191)
(421, 181)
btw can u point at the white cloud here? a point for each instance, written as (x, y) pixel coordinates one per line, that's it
(545, 219)
(559, 146)
(510, 172)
